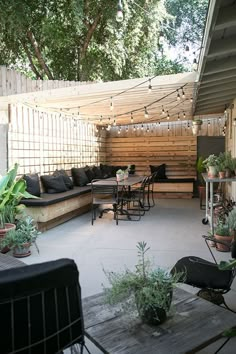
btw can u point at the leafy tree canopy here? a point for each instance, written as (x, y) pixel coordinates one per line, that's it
(81, 39)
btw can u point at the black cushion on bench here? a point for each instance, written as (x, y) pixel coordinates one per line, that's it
(175, 180)
(49, 199)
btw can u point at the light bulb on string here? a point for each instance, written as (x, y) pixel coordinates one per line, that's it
(208, 122)
(127, 129)
(111, 104)
(184, 115)
(219, 119)
(162, 111)
(188, 126)
(191, 99)
(194, 66)
(119, 130)
(183, 94)
(178, 117)
(168, 116)
(178, 95)
(131, 118)
(148, 129)
(119, 14)
(150, 86)
(159, 124)
(225, 111)
(145, 112)
(168, 127)
(142, 127)
(134, 128)
(114, 122)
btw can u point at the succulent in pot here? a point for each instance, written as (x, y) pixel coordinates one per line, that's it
(145, 291)
(222, 233)
(22, 237)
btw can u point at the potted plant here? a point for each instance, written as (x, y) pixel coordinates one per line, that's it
(211, 163)
(231, 221)
(22, 237)
(146, 291)
(119, 175)
(12, 190)
(131, 169)
(221, 169)
(196, 126)
(222, 233)
(227, 160)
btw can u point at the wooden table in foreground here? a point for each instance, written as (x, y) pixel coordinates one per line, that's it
(194, 324)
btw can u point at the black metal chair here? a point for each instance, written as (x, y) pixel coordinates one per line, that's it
(212, 281)
(40, 307)
(103, 194)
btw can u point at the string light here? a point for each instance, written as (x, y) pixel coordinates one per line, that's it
(148, 129)
(142, 127)
(131, 118)
(225, 111)
(178, 117)
(191, 99)
(168, 127)
(114, 122)
(159, 124)
(127, 129)
(119, 14)
(111, 105)
(150, 86)
(188, 126)
(183, 94)
(184, 115)
(168, 116)
(178, 95)
(208, 122)
(219, 119)
(162, 111)
(194, 66)
(145, 112)
(134, 128)
(119, 130)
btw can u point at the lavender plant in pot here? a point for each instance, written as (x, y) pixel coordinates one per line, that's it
(145, 291)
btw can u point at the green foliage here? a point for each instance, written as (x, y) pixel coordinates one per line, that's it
(145, 287)
(222, 229)
(41, 37)
(12, 190)
(211, 160)
(231, 220)
(25, 232)
(200, 168)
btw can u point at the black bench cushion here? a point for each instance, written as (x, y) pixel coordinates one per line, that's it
(175, 180)
(49, 199)
(32, 184)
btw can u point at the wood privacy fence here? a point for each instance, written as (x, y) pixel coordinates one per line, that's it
(13, 82)
(179, 153)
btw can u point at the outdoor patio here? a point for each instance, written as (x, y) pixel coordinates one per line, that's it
(172, 229)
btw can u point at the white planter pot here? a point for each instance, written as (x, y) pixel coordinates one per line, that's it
(212, 171)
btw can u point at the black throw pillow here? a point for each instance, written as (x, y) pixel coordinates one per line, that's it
(32, 184)
(54, 184)
(161, 171)
(79, 176)
(97, 172)
(68, 182)
(106, 170)
(90, 174)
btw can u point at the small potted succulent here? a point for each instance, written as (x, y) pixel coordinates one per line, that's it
(211, 163)
(119, 175)
(20, 239)
(145, 291)
(222, 233)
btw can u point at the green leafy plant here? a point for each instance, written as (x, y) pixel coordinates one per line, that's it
(211, 160)
(231, 220)
(222, 229)
(12, 190)
(200, 168)
(146, 288)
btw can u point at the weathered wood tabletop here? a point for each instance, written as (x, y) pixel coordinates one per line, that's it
(193, 324)
(7, 262)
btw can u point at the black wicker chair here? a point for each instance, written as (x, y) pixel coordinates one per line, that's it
(40, 307)
(212, 281)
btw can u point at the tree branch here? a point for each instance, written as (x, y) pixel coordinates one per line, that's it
(33, 67)
(39, 55)
(89, 35)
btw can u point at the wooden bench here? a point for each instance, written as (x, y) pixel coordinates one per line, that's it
(54, 209)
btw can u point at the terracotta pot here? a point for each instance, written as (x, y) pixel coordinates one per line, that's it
(227, 239)
(222, 174)
(3, 232)
(22, 251)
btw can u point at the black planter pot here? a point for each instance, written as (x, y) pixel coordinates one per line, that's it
(153, 316)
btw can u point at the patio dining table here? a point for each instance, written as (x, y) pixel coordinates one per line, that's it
(125, 184)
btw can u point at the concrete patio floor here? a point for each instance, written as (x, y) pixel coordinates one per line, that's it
(172, 229)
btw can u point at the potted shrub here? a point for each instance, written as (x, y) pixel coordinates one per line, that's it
(211, 163)
(227, 160)
(131, 169)
(12, 190)
(196, 126)
(146, 291)
(20, 239)
(221, 169)
(222, 233)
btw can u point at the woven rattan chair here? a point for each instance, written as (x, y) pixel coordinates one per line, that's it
(40, 307)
